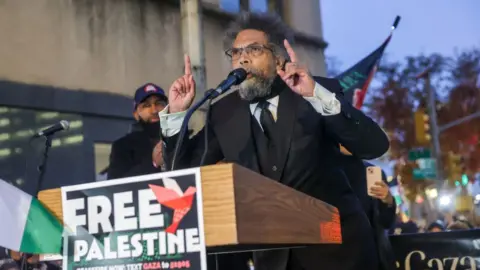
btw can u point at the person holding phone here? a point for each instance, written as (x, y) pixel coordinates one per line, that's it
(377, 186)
(369, 184)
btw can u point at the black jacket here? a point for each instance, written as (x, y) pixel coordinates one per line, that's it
(308, 141)
(131, 155)
(380, 215)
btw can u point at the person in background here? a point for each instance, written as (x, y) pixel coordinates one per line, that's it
(380, 208)
(458, 226)
(140, 151)
(355, 169)
(404, 225)
(464, 219)
(436, 226)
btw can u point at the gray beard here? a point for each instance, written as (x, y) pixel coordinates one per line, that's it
(254, 87)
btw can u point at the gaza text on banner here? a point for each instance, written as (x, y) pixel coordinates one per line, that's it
(455, 250)
(146, 222)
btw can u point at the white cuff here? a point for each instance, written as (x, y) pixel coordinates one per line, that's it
(324, 101)
(171, 122)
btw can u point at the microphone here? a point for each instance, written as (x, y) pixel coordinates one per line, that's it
(235, 77)
(62, 125)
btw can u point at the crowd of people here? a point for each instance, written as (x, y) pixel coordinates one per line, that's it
(446, 222)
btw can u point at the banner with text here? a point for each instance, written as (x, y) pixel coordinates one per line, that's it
(455, 250)
(145, 222)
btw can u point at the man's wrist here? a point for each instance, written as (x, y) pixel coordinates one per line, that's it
(171, 110)
(324, 101)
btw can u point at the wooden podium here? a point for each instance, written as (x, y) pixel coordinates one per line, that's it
(244, 210)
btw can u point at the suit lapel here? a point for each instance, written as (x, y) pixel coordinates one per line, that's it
(238, 128)
(287, 112)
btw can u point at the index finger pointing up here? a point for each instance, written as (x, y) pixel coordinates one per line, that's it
(188, 65)
(291, 53)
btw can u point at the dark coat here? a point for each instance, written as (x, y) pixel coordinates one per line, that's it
(131, 155)
(380, 215)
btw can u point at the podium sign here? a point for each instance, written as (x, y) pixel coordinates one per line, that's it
(146, 222)
(233, 209)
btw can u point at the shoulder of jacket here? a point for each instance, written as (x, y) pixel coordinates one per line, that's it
(331, 84)
(226, 101)
(126, 139)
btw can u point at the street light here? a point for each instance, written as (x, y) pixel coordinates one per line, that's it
(431, 193)
(464, 179)
(422, 127)
(455, 168)
(445, 200)
(477, 199)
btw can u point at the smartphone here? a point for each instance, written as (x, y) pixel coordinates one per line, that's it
(374, 174)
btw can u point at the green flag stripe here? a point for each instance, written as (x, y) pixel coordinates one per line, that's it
(43, 232)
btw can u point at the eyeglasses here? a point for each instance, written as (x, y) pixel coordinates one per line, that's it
(251, 50)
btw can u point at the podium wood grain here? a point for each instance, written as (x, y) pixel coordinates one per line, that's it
(243, 207)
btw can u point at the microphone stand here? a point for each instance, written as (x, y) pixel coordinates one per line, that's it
(43, 164)
(41, 169)
(210, 94)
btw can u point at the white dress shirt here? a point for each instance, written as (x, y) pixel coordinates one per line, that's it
(323, 101)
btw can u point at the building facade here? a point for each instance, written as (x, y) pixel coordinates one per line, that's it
(81, 61)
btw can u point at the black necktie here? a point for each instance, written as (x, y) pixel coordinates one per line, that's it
(266, 119)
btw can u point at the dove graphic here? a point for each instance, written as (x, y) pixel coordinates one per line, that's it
(171, 196)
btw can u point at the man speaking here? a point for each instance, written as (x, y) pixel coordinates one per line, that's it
(286, 126)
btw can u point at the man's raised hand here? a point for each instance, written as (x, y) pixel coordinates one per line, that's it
(182, 91)
(295, 75)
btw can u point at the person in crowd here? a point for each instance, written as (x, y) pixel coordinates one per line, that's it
(458, 226)
(380, 208)
(285, 124)
(464, 219)
(404, 225)
(140, 151)
(436, 226)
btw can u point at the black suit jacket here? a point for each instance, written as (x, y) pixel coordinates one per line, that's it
(131, 155)
(308, 142)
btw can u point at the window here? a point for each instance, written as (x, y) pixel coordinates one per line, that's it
(230, 5)
(235, 6)
(258, 5)
(102, 155)
(19, 158)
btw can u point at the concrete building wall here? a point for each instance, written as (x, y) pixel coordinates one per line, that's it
(116, 45)
(81, 60)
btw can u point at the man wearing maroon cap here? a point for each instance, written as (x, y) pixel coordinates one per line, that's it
(140, 151)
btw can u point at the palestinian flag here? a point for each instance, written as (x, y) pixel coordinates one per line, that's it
(26, 225)
(355, 80)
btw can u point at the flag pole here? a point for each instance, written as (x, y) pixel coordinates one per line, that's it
(356, 88)
(392, 28)
(395, 24)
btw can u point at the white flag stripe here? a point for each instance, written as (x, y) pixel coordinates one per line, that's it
(14, 208)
